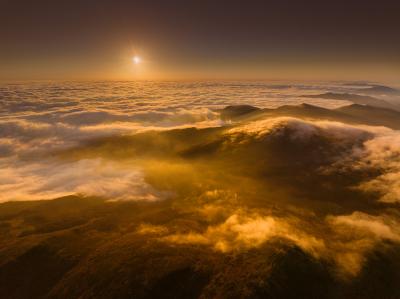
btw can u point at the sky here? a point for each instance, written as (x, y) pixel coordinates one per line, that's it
(199, 39)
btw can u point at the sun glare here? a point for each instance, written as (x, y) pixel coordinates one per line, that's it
(136, 59)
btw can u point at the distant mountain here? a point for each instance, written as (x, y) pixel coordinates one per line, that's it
(379, 89)
(368, 87)
(372, 115)
(356, 99)
(230, 112)
(352, 114)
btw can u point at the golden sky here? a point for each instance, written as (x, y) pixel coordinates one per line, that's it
(199, 40)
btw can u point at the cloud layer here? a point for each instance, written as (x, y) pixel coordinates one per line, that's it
(90, 177)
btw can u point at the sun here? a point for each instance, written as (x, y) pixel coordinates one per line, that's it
(136, 59)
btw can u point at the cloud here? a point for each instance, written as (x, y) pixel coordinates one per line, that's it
(89, 177)
(34, 139)
(383, 154)
(303, 130)
(343, 240)
(242, 231)
(145, 228)
(157, 116)
(25, 130)
(361, 224)
(355, 235)
(6, 147)
(377, 159)
(32, 130)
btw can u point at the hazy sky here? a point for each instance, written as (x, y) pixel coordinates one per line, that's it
(96, 39)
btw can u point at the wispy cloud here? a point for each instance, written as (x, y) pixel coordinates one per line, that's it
(90, 177)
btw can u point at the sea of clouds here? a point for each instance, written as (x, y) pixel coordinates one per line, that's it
(39, 118)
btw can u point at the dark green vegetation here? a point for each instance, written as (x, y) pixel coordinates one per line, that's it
(266, 207)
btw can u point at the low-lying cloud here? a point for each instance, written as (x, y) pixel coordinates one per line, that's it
(89, 177)
(242, 231)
